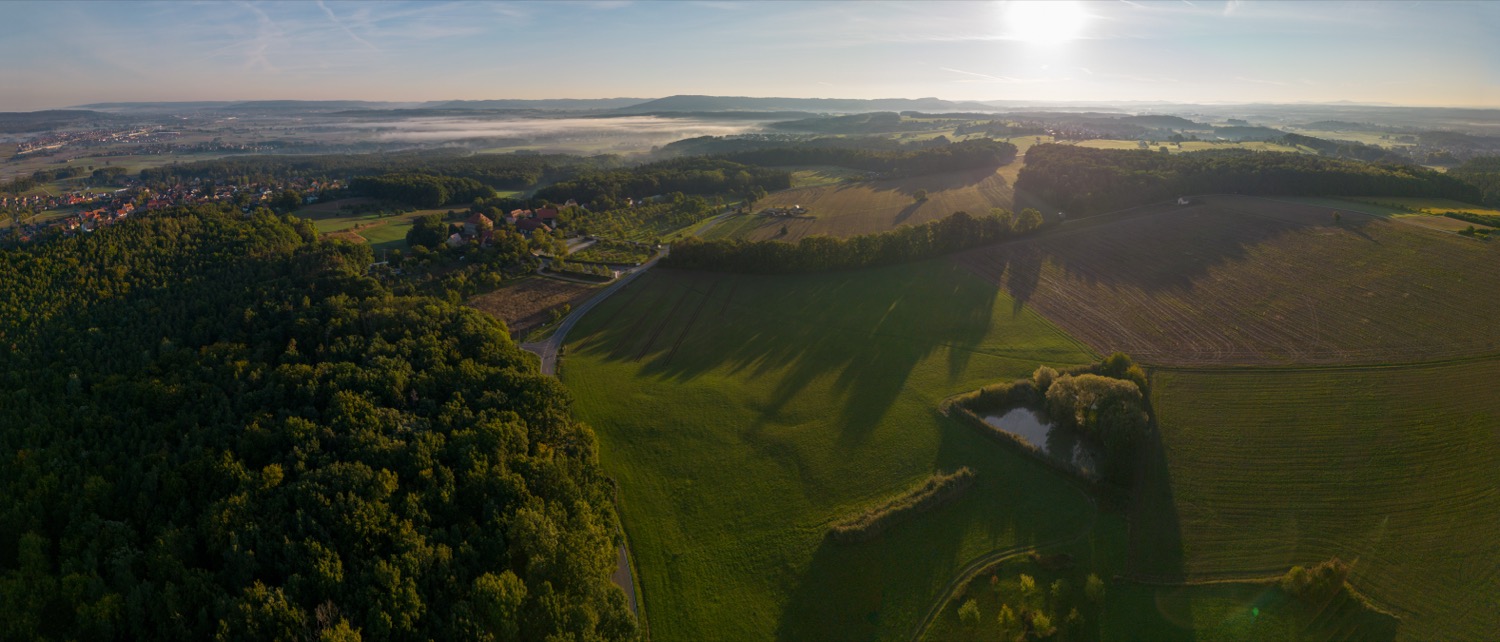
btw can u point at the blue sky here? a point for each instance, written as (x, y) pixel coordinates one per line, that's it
(1415, 53)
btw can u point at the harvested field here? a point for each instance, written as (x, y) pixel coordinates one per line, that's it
(1432, 206)
(1243, 280)
(864, 208)
(1390, 468)
(1441, 223)
(526, 304)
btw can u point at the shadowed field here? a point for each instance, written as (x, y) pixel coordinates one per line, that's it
(1241, 280)
(743, 415)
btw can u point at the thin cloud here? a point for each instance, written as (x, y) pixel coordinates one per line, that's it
(347, 31)
(999, 79)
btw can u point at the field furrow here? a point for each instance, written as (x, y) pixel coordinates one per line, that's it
(1241, 280)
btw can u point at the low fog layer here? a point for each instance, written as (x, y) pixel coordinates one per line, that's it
(552, 133)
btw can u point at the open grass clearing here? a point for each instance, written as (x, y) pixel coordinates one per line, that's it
(527, 303)
(1391, 468)
(874, 206)
(742, 415)
(815, 175)
(6, 221)
(389, 235)
(383, 233)
(329, 217)
(1368, 138)
(1243, 280)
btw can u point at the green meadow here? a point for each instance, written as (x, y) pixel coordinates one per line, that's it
(743, 415)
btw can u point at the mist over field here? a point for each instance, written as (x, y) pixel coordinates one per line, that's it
(634, 130)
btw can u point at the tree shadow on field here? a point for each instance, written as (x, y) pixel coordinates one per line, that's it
(1155, 553)
(1155, 248)
(906, 213)
(859, 332)
(882, 588)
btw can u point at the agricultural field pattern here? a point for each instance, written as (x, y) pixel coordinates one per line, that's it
(1294, 356)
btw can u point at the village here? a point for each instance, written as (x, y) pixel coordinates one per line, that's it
(94, 210)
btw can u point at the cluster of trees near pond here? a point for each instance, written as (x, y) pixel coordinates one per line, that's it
(219, 426)
(1104, 403)
(957, 231)
(1088, 181)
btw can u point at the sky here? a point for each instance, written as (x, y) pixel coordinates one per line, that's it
(59, 54)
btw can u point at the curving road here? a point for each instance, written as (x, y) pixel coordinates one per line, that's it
(549, 348)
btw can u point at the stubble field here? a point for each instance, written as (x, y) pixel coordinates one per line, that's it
(1241, 280)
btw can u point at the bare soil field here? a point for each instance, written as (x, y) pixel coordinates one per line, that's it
(864, 208)
(1243, 280)
(526, 304)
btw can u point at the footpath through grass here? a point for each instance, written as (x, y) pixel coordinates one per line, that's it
(742, 415)
(1396, 470)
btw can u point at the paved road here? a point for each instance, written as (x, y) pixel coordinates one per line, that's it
(548, 349)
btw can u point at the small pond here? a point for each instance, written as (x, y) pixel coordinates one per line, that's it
(1053, 442)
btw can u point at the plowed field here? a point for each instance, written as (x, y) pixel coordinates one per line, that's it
(526, 304)
(1243, 280)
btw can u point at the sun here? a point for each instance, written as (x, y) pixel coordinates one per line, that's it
(1044, 21)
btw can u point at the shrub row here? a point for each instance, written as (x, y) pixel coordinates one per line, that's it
(939, 489)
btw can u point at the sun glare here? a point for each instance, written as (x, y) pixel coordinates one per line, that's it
(1044, 21)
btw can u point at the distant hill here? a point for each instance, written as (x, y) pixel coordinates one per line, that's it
(1163, 120)
(330, 106)
(566, 104)
(290, 106)
(17, 122)
(823, 105)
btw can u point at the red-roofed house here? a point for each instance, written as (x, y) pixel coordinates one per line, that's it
(477, 224)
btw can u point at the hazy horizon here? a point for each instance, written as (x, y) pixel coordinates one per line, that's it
(1396, 53)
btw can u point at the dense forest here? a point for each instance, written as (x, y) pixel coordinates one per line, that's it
(500, 171)
(421, 190)
(1087, 181)
(216, 427)
(1484, 174)
(606, 190)
(926, 159)
(821, 253)
(1344, 149)
(871, 123)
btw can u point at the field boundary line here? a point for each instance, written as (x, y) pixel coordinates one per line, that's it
(1346, 367)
